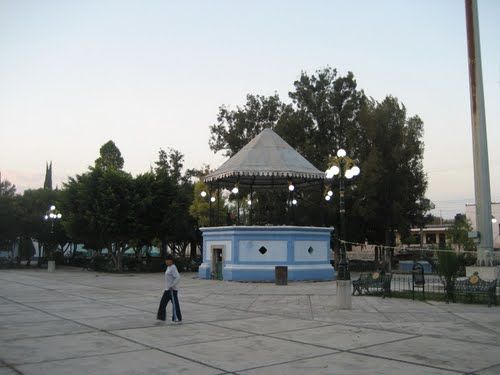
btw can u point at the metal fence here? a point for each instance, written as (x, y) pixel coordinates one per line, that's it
(403, 286)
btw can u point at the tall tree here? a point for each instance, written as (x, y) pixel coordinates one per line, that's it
(7, 189)
(32, 206)
(459, 234)
(235, 128)
(392, 180)
(99, 211)
(145, 210)
(329, 106)
(172, 196)
(110, 157)
(9, 227)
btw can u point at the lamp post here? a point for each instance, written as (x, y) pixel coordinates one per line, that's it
(211, 199)
(52, 214)
(345, 167)
(292, 200)
(235, 190)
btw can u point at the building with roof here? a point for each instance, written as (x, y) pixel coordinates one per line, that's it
(251, 253)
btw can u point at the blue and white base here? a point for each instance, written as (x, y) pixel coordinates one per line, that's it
(251, 253)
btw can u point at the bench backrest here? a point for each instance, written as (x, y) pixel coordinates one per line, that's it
(479, 285)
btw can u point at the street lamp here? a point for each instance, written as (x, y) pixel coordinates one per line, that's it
(344, 167)
(235, 190)
(52, 214)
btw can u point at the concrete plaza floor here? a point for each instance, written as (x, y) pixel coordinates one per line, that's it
(80, 322)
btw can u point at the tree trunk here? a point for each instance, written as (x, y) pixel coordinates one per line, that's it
(39, 261)
(163, 249)
(183, 249)
(119, 260)
(117, 256)
(192, 250)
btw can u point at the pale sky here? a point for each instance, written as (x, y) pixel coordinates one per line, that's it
(152, 74)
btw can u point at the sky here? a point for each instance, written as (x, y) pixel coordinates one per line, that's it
(152, 74)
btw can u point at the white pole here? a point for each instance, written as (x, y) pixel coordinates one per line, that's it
(479, 137)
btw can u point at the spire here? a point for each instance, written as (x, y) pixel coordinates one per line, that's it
(47, 184)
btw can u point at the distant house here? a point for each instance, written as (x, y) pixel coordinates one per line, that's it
(430, 236)
(470, 213)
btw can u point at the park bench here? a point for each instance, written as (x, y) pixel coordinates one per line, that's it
(373, 280)
(473, 286)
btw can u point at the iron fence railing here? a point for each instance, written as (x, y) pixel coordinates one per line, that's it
(403, 285)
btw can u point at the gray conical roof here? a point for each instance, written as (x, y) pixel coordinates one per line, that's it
(266, 161)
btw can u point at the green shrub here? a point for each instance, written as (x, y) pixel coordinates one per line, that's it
(448, 268)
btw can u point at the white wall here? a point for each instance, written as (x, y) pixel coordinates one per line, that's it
(276, 251)
(320, 250)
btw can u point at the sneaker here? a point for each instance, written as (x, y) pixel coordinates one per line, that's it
(177, 322)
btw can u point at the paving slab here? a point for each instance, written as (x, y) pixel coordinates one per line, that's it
(489, 319)
(443, 353)
(141, 303)
(43, 296)
(354, 316)
(298, 306)
(248, 352)
(493, 370)
(268, 324)
(342, 337)
(109, 323)
(26, 316)
(7, 308)
(167, 336)
(346, 364)
(241, 302)
(93, 310)
(7, 371)
(212, 314)
(41, 349)
(152, 362)
(41, 329)
(449, 329)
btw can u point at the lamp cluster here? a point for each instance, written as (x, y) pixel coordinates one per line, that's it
(341, 164)
(52, 214)
(203, 194)
(328, 195)
(236, 190)
(335, 169)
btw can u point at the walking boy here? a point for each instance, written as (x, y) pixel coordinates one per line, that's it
(172, 279)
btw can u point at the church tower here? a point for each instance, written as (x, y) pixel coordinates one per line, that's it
(47, 184)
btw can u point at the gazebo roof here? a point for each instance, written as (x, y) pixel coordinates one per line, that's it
(266, 161)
